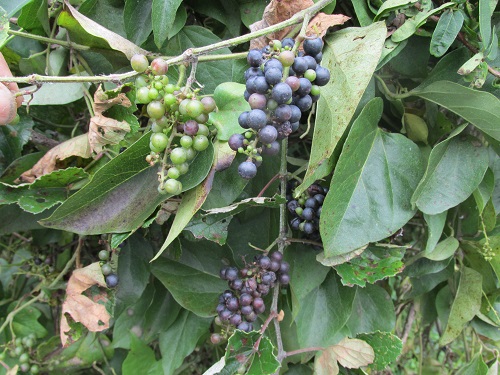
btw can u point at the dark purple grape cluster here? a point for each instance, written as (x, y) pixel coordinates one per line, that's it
(239, 306)
(306, 210)
(280, 86)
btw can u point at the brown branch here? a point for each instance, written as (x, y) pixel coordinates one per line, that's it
(275, 177)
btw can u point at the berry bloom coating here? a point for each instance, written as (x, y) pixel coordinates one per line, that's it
(112, 280)
(139, 63)
(247, 170)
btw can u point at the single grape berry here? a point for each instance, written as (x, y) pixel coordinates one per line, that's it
(272, 149)
(231, 273)
(139, 63)
(215, 338)
(257, 119)
(313, 46)
(281, 93)
(300, 65)
(209, 104)
(236, 141)
(159, 67)
(159, 141)
(287, 42)
(273, 76)
(112, 280)
(268, 134)
(103, 255)
(247, 170)
(254, 57)
(322, 76)
(106, 269)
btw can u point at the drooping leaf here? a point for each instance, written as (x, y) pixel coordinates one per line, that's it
(163, 16)
(324, 311)
(123, 193)
(387, 347)
(443, 250)
(92, 314)
(476, 366)
(195, 290)
(180, 339)
(449, 24)
(435, 225)
(352, 70)
(484, 191)
(74, 21)
(240, 351)
(478, 107)
(371, 188)
(448, 181)
(370, 303)
(212, 227)
(465, 305)
(375, 263)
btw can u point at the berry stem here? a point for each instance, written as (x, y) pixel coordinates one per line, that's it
(304, 350)
(192, 76)
(186, 56)
(275, 177)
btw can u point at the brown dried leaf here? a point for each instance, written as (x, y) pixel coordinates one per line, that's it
(277, 11)
(353, 353)
(281, 10)
(77, 146)
(320, 24)
(104, 130)
(81, 308)
(326, 363)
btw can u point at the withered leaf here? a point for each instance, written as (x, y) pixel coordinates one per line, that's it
(81, 308)
(280, 10)
(104, 130)
(77, 146)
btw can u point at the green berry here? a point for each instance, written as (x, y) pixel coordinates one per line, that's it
(18, 350)
(191, 153)
(158, 85)
(174, 173)
(186, 141)
(200, 143)
(169, 99)
(153, 93)
(183, 168)
(310, 74)
(203, 130)
(23, 358)
(103, 255)
(173, 187)
(183, 106)
(34, 369)
(142, 95)
(24, 367)
(165, 80)
(106, 269)
(159, 141)
(141, 81)
(169, 88)
(194, 108)
(178, 155)
(156, 109)
(139, 63)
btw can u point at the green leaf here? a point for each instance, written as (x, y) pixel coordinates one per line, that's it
(90, 348)
(122, 194)
(479, 108)
(180, 339)
(140, 359)
(470, 65)
(163, 15)
(230, 104)
(435, 225)
(81, 27)
(179, 22)
(240, 350)
(26, 322)
(324, 312)
(351, 55)
(35, 17)
(133, 272)
(4, 26)
(12, 7)
(226, 12)
(447, 29)
(391, 5)
(12, 140)
(449, 180)
(371, 187)
(475, 367)
(137, 17)
(375, 263)
(211, 227)
(465, 305)
(195, 290)
(484, 191)
(363, 13)
(370, 304)
(411, 25)
(251, 11)
(443, 250)
(486, 9)
(387, 348)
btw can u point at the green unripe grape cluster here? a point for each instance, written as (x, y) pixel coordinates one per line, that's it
(22, 349)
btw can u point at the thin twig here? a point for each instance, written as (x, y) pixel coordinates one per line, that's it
(44, 39)
(304, 350)
(275, 177)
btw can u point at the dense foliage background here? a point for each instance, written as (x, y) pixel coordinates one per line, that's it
(403, 276)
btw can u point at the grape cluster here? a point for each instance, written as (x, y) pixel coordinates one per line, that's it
(179, 121)
(240, 305)
(21, 350)
(305, 211)
(107, 270)
(280, 87)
